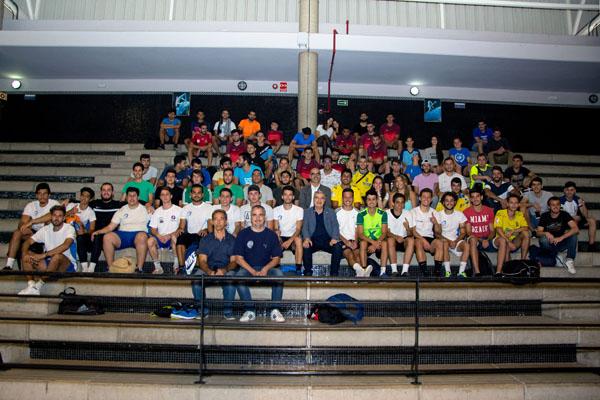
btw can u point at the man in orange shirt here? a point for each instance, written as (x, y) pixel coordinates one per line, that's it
(249, 126)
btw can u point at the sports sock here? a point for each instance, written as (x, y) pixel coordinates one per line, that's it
(447, 266)
(462, 267)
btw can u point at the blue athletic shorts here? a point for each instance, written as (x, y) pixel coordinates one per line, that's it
(70, 268)
(127, 239)
(162, 245)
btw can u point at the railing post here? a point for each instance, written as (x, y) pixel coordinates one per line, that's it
(201, 344)
(415, 361)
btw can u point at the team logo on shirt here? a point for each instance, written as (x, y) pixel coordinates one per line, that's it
(250, 244)
(173, 217)
(161, 220)
(125, 215)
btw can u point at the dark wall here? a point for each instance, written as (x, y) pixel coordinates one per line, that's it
(134, 118)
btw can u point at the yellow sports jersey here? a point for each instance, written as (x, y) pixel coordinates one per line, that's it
(461, 204)
(336, 194)
(506, 224)
(363, 182)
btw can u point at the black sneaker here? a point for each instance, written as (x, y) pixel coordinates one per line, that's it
(498, 275)
(404, 274)
(395, 274)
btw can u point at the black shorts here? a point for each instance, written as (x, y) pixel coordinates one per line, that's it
(37, 248)
(187, 239)
(291, 248)
(400, 246)
(583, 223)
(429, 239)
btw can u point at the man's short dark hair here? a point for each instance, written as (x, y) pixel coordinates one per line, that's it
(348, 190)
(178, 158)
(196, 185)
(287, 188)
(165, 188)
(371, 192)
(306, 131)
(518, 156)
(42, 186)
(516, 196)
(451, 194)
(89, 190)
(224, 160)
(228, 169)
(171, 110)
(198, 172)
(109, 184)
(397, 196)
(537, 179)
(426, 190)
(133, 189)
(497, 168)
(226, 190)
(286, 172)
(138, 164)
(144, 156)
(346, 171)
(553, 198)
(58, 207)
(245, 157)
(197, 160)
(569, 184)
(171, 171)
(456, 180)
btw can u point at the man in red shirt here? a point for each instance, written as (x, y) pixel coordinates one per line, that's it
(305, 164)
(236, 147)
(377, 153)
(201, 141)
(391, 133)
(480, 229)
(366, 140)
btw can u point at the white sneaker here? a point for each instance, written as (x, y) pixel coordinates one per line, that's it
(358, 269)
(248, 316)
(570, 264)
(367, 271)
(30, 291)
(277, 316)
(158, 270)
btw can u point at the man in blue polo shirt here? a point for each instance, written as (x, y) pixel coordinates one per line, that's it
(481, 136)
(169, 130)
(258, 253)
(301, 141)
(215, 258)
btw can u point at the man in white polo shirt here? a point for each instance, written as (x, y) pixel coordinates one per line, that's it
(132, 220)
(164, 227)
(193, 222)
(58, 255)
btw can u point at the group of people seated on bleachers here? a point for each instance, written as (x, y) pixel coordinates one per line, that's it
(361, 194)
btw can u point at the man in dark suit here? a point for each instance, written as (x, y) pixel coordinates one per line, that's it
(307, 192)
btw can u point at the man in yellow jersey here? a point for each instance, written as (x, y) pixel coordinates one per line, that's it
(511, 226)
(462, 201)
(346, 183)
(372, 231)
(363, 178)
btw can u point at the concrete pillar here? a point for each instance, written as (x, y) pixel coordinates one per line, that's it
(308, 66)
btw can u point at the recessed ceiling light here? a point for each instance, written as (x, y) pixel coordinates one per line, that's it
(16, 84)
(414, 90)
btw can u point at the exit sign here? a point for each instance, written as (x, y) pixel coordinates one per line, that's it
(342, 103)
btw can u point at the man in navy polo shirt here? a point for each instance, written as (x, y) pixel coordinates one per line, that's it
(215, 258)
(169, 130)
(258, 253)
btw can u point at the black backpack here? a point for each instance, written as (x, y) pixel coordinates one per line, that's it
(542, 257)
(521, 271)
(72, 304)
(327, 314)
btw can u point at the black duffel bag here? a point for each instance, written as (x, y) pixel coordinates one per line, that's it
(71, 304)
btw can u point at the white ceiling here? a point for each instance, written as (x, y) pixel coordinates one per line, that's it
(46, 63)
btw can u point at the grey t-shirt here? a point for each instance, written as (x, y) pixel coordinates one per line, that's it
(542, 200)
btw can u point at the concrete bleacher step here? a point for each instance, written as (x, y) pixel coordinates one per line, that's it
(32, 146)
(19, 384)
(370, 332)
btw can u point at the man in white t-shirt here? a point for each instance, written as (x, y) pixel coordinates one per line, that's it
(58, 255)
(85, 219)
(450, 226)
(164, 229)
(132, 221)
(29, 224)
(254, 199)
(193, 222)
(422, 220)
(399, 235)
(288, 225)
(329, 177)
(234, 213)
(445, 178)
(346, 217)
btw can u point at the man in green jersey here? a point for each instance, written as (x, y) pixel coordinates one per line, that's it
(372, 232)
